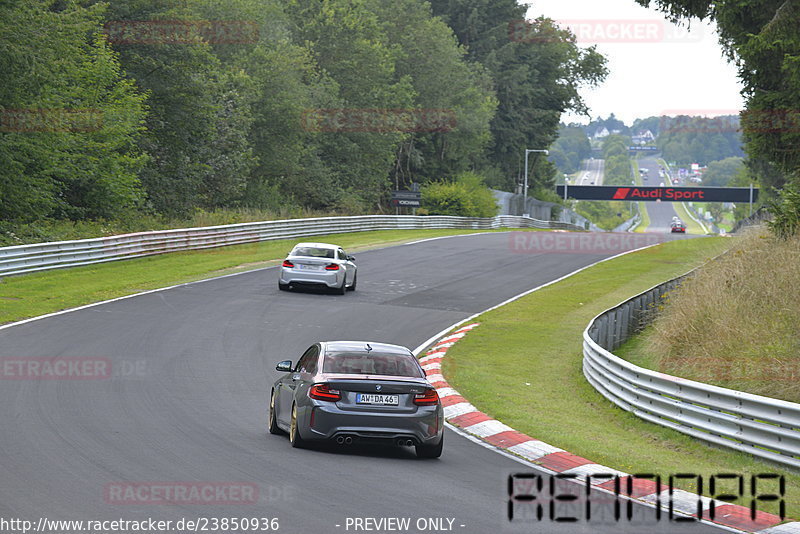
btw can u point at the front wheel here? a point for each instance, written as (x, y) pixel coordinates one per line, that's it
(294, 433)
(430, 451)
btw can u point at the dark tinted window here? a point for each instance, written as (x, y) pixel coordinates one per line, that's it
(313, 252)
(363, 363)
(308, 362)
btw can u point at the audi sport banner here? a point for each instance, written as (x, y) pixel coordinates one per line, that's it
(665, 194)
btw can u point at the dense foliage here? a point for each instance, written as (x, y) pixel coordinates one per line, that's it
(617, 160)
(685, 139)
(786, 212)
(84, 162)
(761, 37)
(721, 173)
(570, 149)
(465, 196)
(617, 171)
(163, 108)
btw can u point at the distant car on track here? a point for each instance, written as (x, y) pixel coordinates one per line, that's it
(320, 265)
(357, 391)
(677, 227)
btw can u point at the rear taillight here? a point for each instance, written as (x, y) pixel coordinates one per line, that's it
(287, 263)
(332, 267)
(429, 398)
(324, 392)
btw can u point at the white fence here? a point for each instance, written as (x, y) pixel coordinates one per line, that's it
(762, 426)
(43, 256)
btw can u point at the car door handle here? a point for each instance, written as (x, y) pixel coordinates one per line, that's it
(296, 377)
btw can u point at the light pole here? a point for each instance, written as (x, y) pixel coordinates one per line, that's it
(525, 187)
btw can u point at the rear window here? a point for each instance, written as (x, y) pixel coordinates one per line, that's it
(314, 252)
(362, 363)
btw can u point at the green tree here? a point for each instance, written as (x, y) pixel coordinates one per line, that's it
(617, 169)
(720, 173)
(649, 123)
(68, 147)
(197, 130)
(537, 70)
(445, 84)
(761, 37)
(466, 196)
(570, 149)
(686, 139)
(348, 41)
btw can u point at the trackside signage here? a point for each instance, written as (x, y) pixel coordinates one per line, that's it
(664, 194)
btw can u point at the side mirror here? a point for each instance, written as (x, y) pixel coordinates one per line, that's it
(351, 258)
(285, 366)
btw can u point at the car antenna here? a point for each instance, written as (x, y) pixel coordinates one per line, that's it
(368, 347)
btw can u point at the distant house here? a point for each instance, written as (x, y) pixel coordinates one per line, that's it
(601, 133)
(642, 138)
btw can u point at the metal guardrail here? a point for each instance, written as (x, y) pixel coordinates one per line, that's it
(762, 426)
(44, 256)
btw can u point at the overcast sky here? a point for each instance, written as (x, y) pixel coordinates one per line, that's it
(655, 67)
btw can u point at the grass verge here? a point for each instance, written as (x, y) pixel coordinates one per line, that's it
(708, 330)
(46, 292)
(523, 367)
(644, 219)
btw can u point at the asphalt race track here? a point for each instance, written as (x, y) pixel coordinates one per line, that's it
(187, 400)
(660, 213)
(592, 174)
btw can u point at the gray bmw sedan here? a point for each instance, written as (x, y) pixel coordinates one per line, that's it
(357, 391)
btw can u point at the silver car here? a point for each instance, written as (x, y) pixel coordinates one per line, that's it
(320, 265)
(357, 391)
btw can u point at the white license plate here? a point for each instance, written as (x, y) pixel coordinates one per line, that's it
(379, 399)
(309, 267)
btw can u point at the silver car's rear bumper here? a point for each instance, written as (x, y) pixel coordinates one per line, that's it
(329, 278)
(325, 421)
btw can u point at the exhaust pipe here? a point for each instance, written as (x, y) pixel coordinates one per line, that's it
(348, 440)
(339, 439)
(404, 442)
(409, 443)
